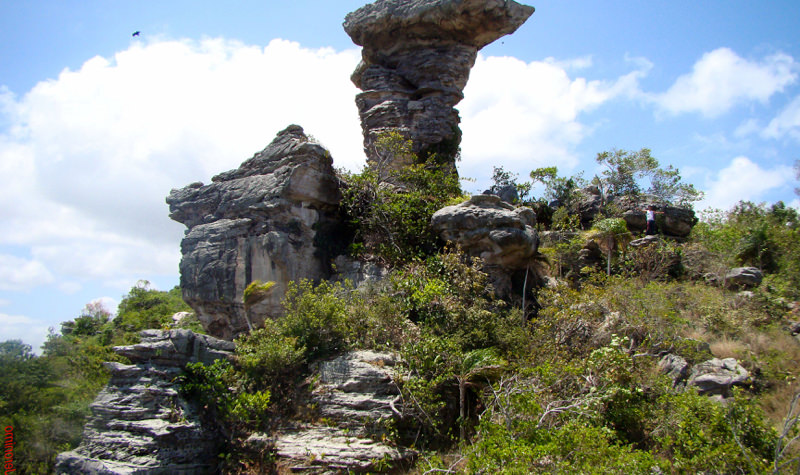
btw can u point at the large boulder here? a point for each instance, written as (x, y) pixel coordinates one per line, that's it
(743, 278)
(416, 59)
(139, 422)
(502, 235)
(717, 376)
(263, 221)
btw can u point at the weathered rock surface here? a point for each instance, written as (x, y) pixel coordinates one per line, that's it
(416, 59)
(354, 395)
(139, 422)
(743, 278)
(672, 221)
(261, 221)
(675, 367)
(717, 376)
(500, 234)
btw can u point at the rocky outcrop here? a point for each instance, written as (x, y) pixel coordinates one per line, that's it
(416, 59)
(139, 423)
(672, 221)
(674, 366)
(500, 234)
(717, 376)
(355, 396)
(743, 278)
(262, 221)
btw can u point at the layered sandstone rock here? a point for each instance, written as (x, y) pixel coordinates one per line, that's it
(416, 59)
(503, 236)
(139, 421)
(262, 221)
(355, 395)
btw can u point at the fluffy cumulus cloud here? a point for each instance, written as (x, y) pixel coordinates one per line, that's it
(743, 180)
(787, 123)
(87, 158)
(526, 115)
(721, 79)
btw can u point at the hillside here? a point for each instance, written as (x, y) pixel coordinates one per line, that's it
(387, 322)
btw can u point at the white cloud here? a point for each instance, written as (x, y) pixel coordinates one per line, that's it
(742, 180)
(786, 123)
(88, 158)
(17, 273)
(29, 330)
(526, 115)
(721, 80)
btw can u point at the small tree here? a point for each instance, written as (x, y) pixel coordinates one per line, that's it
(625, 170)
(611, 234)
(565, 190)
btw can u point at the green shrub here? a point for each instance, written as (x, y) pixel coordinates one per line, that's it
(390, 209)
(266, 355)
(317, 317)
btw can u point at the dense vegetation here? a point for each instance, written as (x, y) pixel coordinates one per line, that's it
(573, 387)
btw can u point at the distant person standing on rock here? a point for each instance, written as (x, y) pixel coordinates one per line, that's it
(651, 220)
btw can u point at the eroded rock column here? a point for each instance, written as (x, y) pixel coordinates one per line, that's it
(415, 64)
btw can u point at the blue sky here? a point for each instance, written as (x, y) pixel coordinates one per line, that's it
(97, 126)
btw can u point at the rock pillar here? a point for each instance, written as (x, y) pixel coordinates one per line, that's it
(416, 60)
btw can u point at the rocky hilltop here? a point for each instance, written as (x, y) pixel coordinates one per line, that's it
(258, 222)
(416, 59)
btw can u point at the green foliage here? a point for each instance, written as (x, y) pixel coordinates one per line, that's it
(316, 317)
(697, 434)
(256, 291)
(145, 308)
(611, 234)
(752, 235)
(266, 355)
(390, 209)
(564, 190)
(234, 411)
(624, 170)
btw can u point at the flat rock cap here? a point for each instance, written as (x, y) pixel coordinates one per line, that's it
(472, 22)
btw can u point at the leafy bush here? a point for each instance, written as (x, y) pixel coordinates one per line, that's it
(390, 209)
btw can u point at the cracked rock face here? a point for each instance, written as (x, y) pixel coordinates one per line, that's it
(416, 59)
(354, 395)
(139, 422)
(258, 222)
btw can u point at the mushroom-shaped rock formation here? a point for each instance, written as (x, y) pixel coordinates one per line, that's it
(416, 59)
(262, 221)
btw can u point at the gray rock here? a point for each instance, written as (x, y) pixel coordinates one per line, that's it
(507, 193)
(354, 394)
(139, 423)
(356, 389)
(357, 272)
(675, 367)
(500, 234)
(645, 241)
(416, 59)
(743, 278)
(717, 376)
(258, 222)
(330, 450)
